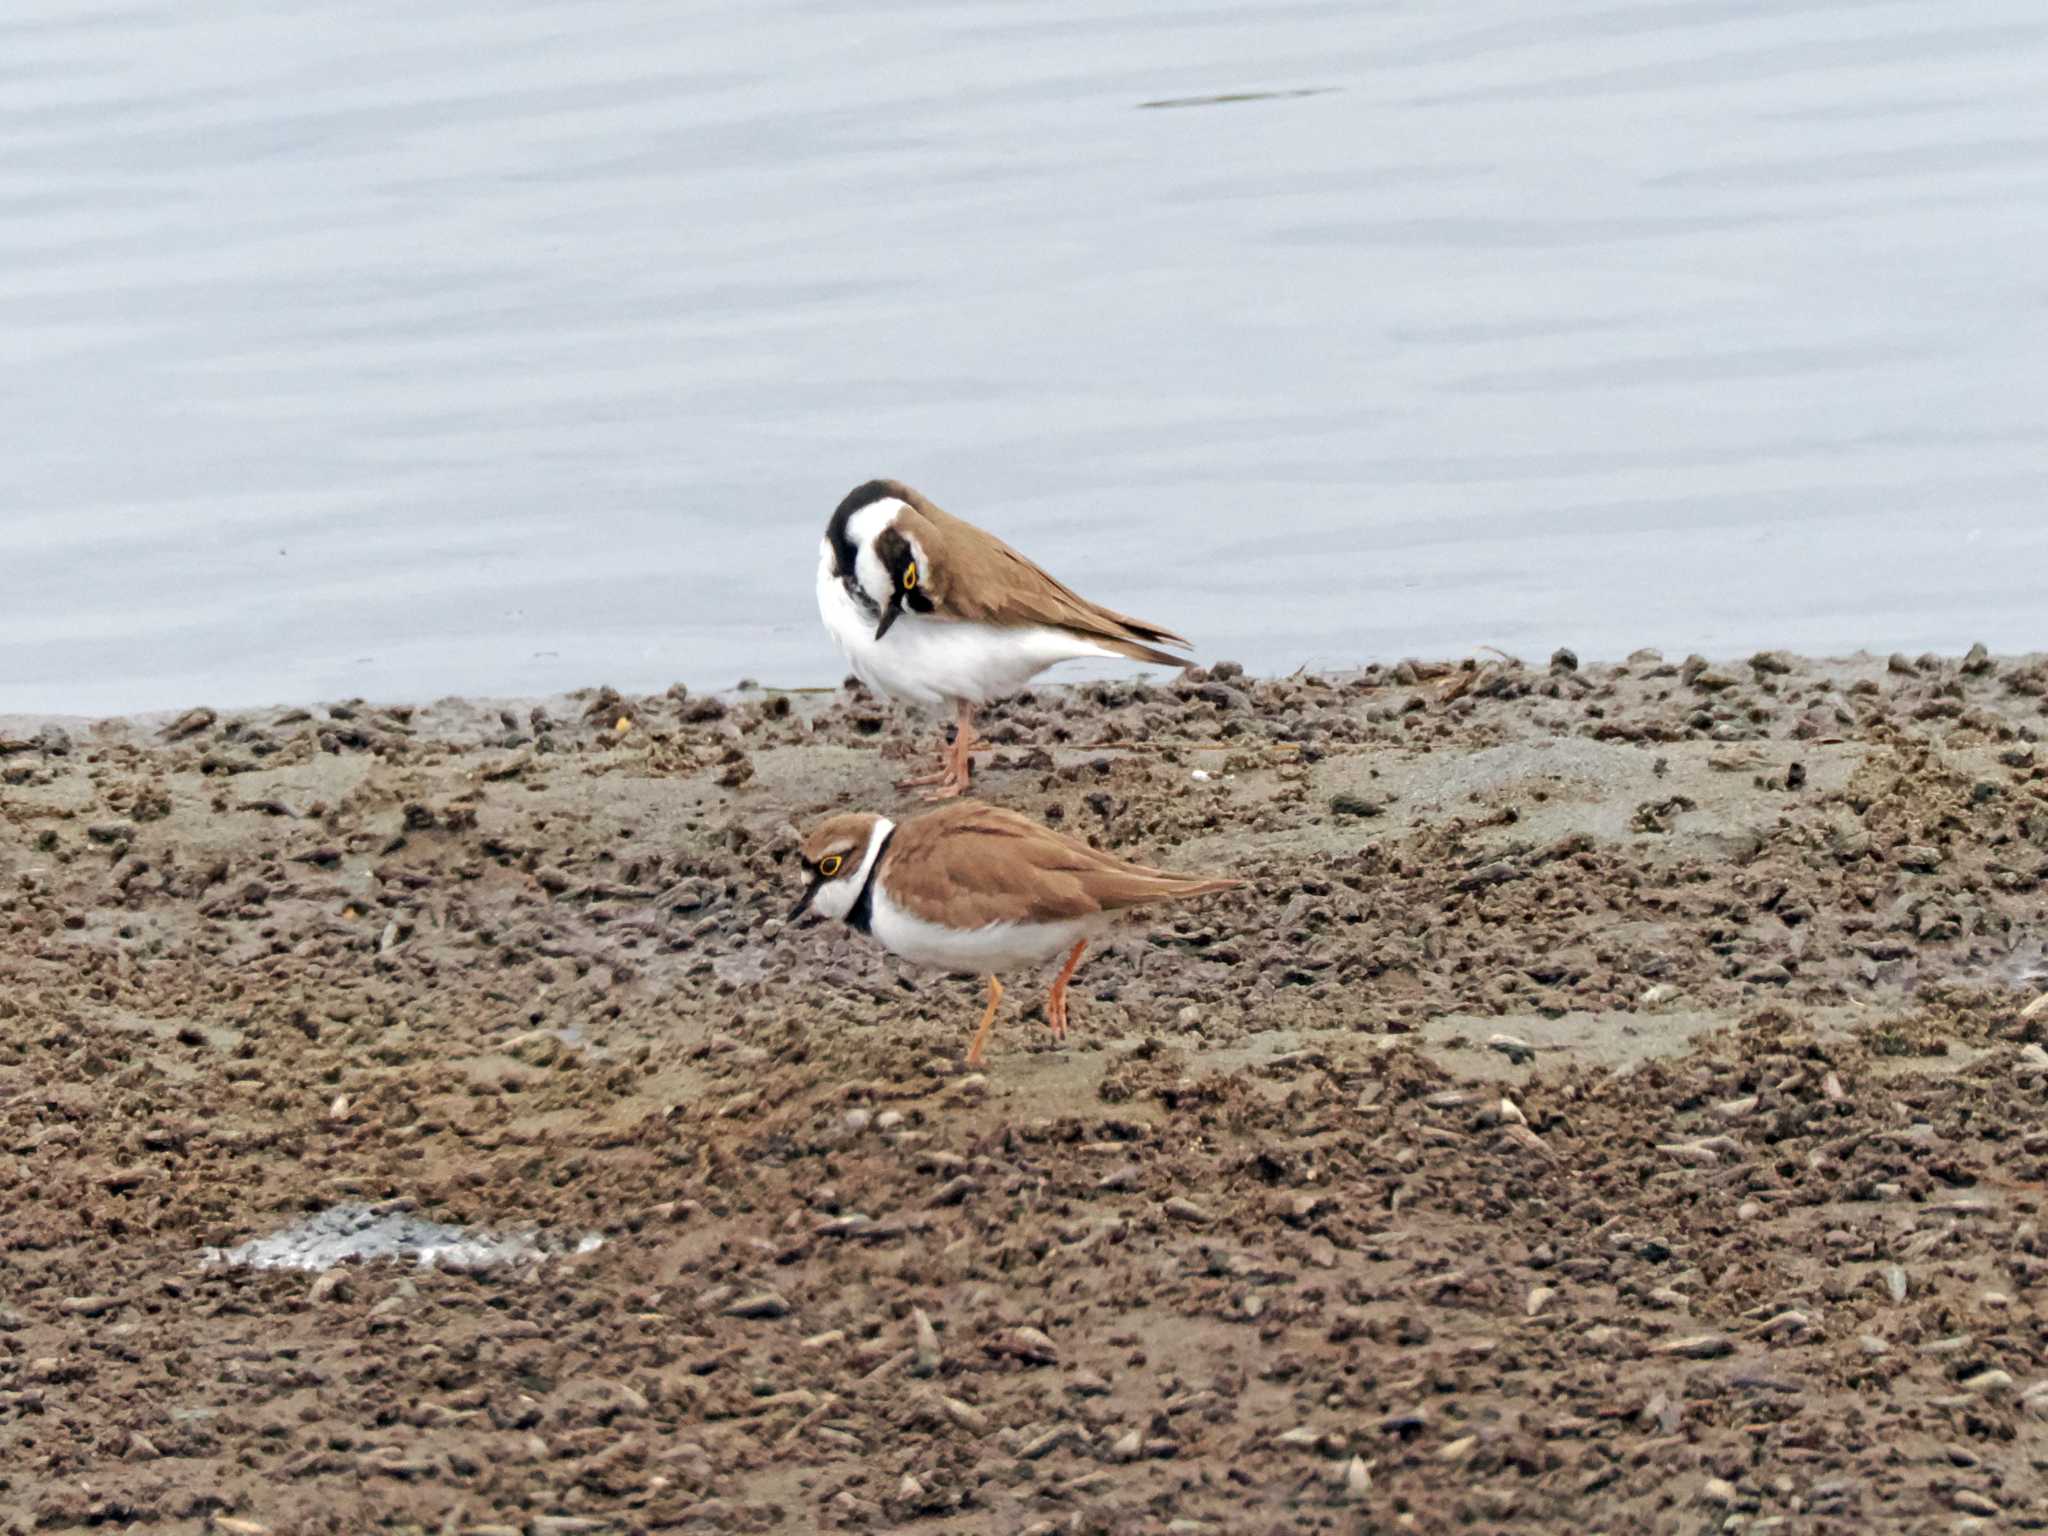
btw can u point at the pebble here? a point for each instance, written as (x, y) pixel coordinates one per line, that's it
(1895, 1282)
(1539, 1297)
(964, 1414)
(1127, 1447)
(1028, 1343)
(1985, 1383)
(927, 1360)
(1698, 1346)
(1717, 1490)
(1691, 1152)
(1182, 1209)
(1357, 1478)
(1041, 1446)
(761, 1304)
(1971, 1502)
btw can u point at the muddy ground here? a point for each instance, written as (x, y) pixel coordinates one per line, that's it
(1614, 1106)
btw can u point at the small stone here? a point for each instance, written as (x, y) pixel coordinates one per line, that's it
(1971, 1502)
(964, 1414)
(760, 1304)
(1698, 1346)
(926, 1342)
(1027, 1343)
(1127, 1447)
(1539, 1297)
(1041, 1446)
(335, 1285)
(190, 723)
(1691, 1152)
(1357, 1478)
(1183, 1209)
(1717, 1490)
(1895, 1282)
(1985, 1383)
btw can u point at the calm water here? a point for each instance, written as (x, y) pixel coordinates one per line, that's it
(358, 347)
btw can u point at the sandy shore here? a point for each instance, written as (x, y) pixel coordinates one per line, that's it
(1615, 1105)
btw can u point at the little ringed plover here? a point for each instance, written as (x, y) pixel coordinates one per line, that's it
(974, 889)
(933, 610)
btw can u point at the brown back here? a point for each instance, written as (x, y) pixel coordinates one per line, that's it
(974, 575)
(969, 864)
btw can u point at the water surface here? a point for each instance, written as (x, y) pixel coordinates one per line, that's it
(357, 347)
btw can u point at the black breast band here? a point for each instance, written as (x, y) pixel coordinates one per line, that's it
(863, 912)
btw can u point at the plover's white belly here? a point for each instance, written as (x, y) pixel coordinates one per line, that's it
(974, 951)
(931, 661)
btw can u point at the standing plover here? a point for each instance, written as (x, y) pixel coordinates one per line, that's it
(975, 889)
(933, 610)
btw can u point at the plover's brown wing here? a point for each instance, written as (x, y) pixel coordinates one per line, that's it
(974, 575)
(971, 864)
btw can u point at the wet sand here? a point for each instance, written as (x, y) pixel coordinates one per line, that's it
(1615, 1104)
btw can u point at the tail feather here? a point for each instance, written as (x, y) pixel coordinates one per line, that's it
(1158, 885)
(1139, 651)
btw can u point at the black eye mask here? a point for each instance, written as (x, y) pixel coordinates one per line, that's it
(906, 579)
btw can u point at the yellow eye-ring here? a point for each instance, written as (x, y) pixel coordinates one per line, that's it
(828, 866)
(910, 578)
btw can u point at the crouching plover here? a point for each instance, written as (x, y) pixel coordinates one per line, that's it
(933, 610)
(975, 889)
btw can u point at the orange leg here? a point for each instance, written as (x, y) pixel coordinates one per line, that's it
(959, 757)
(1056, 1005)
(977, 1052)
(943, 775)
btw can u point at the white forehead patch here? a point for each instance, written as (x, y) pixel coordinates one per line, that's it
(835, 898)
(866, 525)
